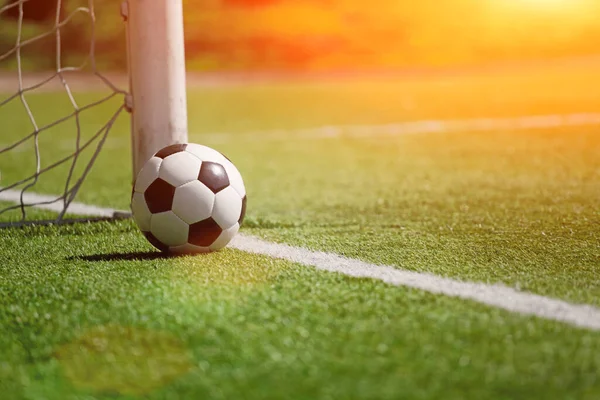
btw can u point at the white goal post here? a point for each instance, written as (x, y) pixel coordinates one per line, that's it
(156, 96)
(157, 76)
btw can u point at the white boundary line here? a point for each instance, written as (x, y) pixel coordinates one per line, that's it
(546, 121)
(54, 203)
(499, 296)
(503, 297)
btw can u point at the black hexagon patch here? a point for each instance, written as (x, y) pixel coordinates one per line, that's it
(204, 233)
(159, 196)
(172, 149)
(243, 213)
(213, 176)
(155, 242)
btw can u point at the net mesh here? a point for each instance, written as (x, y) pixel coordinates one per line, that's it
(35, 142)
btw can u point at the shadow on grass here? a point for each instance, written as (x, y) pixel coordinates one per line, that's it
(137, 256)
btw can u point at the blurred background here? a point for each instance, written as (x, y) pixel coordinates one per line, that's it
(326, 35)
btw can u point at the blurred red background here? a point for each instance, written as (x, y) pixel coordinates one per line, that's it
(336, 35)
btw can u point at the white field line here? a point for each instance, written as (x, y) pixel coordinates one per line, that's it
(548, 121)
(500, 296)
(54, 203)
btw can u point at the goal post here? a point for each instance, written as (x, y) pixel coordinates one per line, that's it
(44, 161)
(157, 76)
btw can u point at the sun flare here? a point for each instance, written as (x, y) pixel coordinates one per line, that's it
(551, 4)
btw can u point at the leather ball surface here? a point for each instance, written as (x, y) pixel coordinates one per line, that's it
(189, 198)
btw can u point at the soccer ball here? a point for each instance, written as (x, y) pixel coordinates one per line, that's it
(189, 198)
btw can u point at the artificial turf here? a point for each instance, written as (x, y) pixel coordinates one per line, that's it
(91, 311)
(83, 319)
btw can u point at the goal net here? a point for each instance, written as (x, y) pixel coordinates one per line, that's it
(62, 103)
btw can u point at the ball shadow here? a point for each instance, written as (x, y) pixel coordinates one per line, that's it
(136, 256)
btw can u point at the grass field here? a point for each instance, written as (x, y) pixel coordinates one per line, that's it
(92, 311)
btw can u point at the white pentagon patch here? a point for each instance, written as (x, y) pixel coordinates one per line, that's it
(141, 213)
(169, 228)
(235, 178)
(205, 153)
(189, 249)
(179, 168)
(228, 207)
(225, 237)
(147, 174)
(193, 202)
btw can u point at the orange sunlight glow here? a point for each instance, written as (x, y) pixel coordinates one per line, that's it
(548, 5)
(547, 2)
(569, 15)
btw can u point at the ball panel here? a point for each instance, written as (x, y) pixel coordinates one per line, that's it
(159, 196)
(204, 233)
(193, 202)
(228, 207)
(235, 178)
(172, 149)
(181, 206)
(179, 168)
(140, 211)
(155, 242)
(243, 213)
(205, 153)
(225, 237)
(169, 228)
(147, 175)
(213, 175)
(189, 249)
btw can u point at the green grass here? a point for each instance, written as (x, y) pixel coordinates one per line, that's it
(233, 325)
(90, 311)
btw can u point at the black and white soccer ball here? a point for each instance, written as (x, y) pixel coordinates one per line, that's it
(189, 198)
